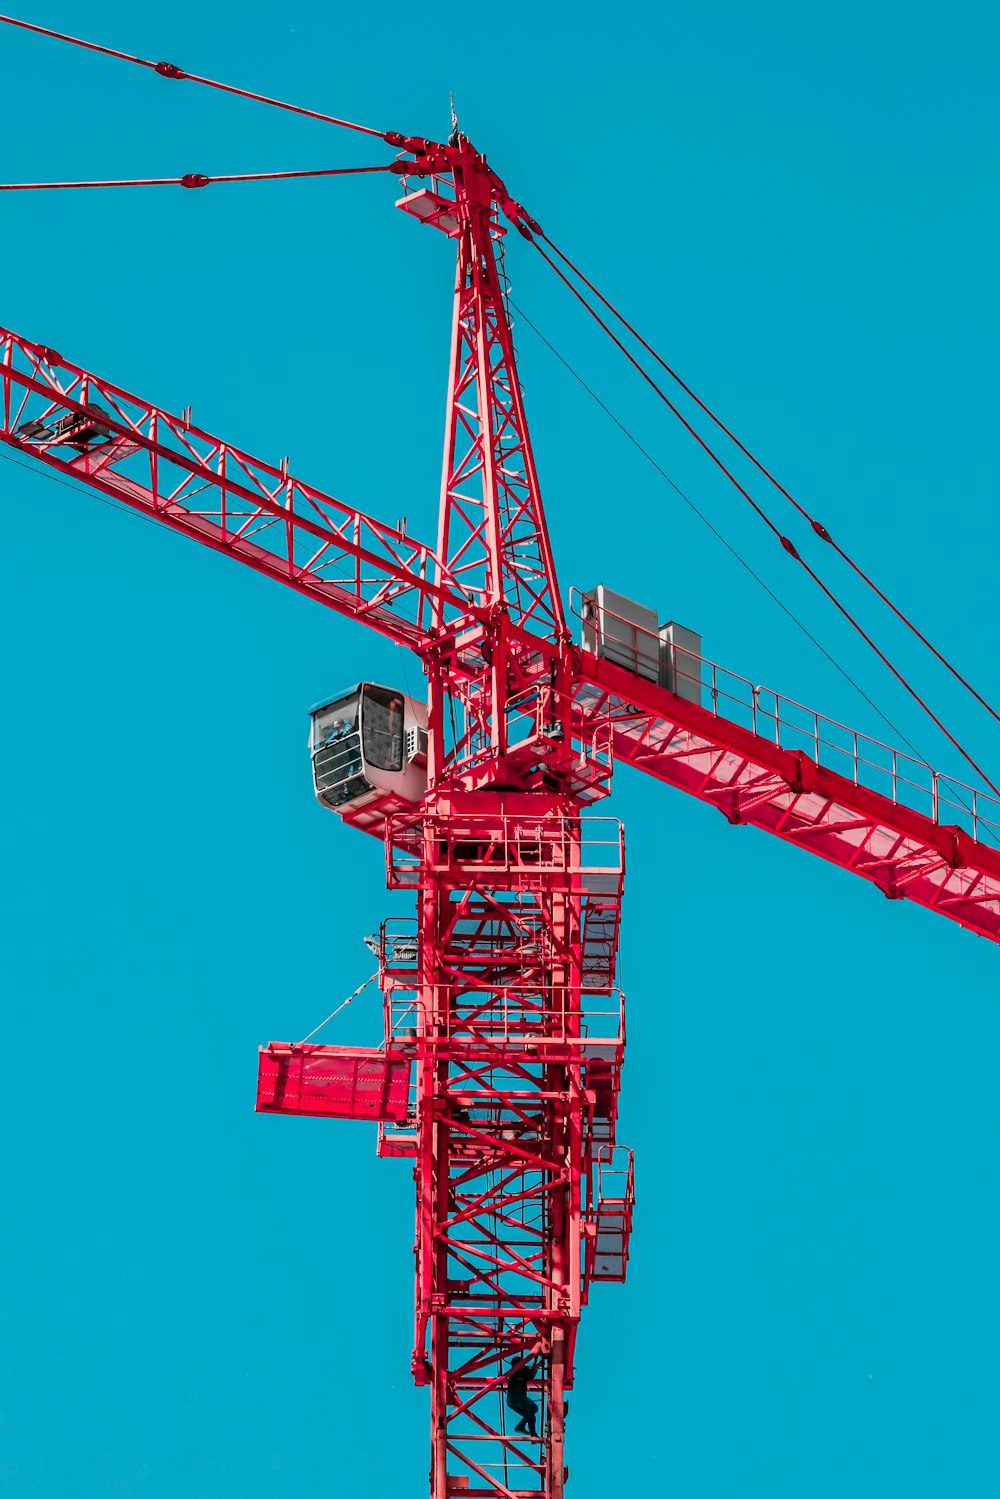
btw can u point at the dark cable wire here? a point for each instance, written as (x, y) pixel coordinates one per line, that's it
(786, 543)
(816, 525)
(79, 488)
(716, 532)
(169, 70)
(192, 179)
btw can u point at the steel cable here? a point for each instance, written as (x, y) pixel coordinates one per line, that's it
(786, 543)
(816, 525)
(716, 532)
(193, 179)
(342, 1006)
(170, 70)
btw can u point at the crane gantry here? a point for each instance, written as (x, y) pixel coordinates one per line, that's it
(499, 1069)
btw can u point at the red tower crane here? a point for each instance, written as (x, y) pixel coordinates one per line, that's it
(499, 1068)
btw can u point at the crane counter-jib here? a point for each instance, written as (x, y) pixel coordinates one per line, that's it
(772, 782)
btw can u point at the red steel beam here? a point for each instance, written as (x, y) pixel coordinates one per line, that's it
(162, 465)
(519, 1063)
(492, 522)
(907, 854)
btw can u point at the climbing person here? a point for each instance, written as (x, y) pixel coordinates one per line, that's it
(519, 1376)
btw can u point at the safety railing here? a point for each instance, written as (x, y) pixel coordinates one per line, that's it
(533, 727)
(611, 1191)
(616, 1174)
(517, 938)
(336, 766)
(505, 849)
(519, 1036)
(789, 725)
(398, 945)
(581, 1021)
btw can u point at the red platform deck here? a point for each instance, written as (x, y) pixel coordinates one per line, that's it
(333, 1082)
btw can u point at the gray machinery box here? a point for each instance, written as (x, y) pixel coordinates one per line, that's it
(620, 630)
(680, 661)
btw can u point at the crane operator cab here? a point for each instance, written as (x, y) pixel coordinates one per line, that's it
(369, 751)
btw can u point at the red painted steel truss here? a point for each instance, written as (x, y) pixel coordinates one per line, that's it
(509, 1000)
(141, 455)
(929, 859)
(492, 525)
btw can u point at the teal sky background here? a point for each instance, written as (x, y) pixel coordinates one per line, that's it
(799, 207)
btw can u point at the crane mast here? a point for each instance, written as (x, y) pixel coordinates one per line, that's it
(518, 1031)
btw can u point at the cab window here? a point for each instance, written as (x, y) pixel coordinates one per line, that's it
(382, 728)
(335, 722)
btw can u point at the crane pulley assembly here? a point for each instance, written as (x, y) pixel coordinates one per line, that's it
(500, 1066)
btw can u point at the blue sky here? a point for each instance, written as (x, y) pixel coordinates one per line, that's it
(799, 207)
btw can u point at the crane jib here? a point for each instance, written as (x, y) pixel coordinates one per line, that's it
(194, 482)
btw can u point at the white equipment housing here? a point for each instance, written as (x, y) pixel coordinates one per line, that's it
(680, 661)
(622, 631)
(368, 745)
(618, 629)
